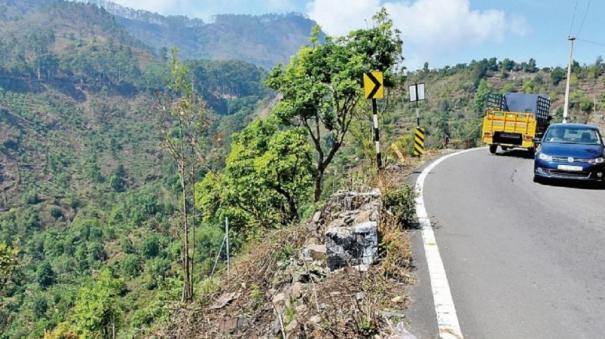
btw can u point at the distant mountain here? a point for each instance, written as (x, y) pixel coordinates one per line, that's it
(264, 40)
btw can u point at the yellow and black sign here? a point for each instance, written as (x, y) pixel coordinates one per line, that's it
(419, 141)
(373, 85)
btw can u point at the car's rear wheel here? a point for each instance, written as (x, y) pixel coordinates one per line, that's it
(493, 148)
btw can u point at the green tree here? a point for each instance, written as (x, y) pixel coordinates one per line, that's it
(184, 127)
(130, 266)
(531, 66)
(151, 246)
(528, 86)
(321, 87)
(45, 276)
(507, 65)
(8, 264)
(117, 181)
(97, 309)
(557, 75)
(39, 306)
(266, 178)
(481, 96)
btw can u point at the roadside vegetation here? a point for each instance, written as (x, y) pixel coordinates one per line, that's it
(93, 203)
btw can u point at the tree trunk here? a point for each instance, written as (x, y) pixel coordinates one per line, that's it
(292, 209)
(187, 288)
(318, 181)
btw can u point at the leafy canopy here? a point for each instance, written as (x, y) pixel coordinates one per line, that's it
(97, 309)
(265, 181)
(321, 87)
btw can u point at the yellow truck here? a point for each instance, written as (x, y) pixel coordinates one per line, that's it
(513, 120)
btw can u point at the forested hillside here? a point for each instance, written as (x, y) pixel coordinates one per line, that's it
(261, 40)
(92, 185)
(84, 183)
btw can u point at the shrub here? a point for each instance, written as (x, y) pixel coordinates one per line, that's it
(127, 246)
(56, 212)
(45, 275)
(39, 307)
(156, 270)
(151, 246)
(401, 203)
(131, 266)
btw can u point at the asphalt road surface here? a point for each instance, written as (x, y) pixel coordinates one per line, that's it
(523, 260)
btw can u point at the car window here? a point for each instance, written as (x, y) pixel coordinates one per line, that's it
(573, 135)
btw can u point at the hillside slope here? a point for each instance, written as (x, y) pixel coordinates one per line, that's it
(264, 40)
(84, 184)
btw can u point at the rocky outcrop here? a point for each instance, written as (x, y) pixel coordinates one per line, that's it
(351, 231)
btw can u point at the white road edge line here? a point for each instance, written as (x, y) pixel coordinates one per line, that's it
(447, 320)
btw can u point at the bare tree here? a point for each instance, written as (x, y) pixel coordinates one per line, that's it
(183, 126)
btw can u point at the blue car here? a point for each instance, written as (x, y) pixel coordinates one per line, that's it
(570, 151)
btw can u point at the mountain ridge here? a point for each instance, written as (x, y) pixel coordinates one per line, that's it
(257, 39)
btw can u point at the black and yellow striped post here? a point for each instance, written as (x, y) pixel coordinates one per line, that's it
(373, 84)
(419, 136)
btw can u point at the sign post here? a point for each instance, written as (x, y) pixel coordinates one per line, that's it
(373, 85)
(417, 94)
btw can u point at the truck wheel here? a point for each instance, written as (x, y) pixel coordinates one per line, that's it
(493, 148)
(532, 152)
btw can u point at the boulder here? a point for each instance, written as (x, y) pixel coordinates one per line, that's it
(352, 233)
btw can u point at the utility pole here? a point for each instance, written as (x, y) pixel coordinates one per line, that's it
(572, 40)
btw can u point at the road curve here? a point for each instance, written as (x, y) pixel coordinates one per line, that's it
(523, 260)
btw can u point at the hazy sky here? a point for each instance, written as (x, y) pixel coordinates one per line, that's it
(441, 32)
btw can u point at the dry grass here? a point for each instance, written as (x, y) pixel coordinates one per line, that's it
(251, 278)
(345, 303)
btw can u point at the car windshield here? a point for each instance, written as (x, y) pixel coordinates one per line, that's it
(573, 135)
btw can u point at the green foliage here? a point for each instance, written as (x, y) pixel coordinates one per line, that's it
(83, 182)
(117, 180)
(531, 66)
(45, 276)
(40, 306)
(507, 88)
(97, 310)
(8, 264)
(156, 271)
(265, 181)
(556, 75)
(151, 246)
(130, 266)
(528, 87)
(401, 203)
(208, 239)
(56, 212)
(481, 96)
(321, 86)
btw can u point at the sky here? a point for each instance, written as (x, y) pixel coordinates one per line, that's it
(440, 32)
